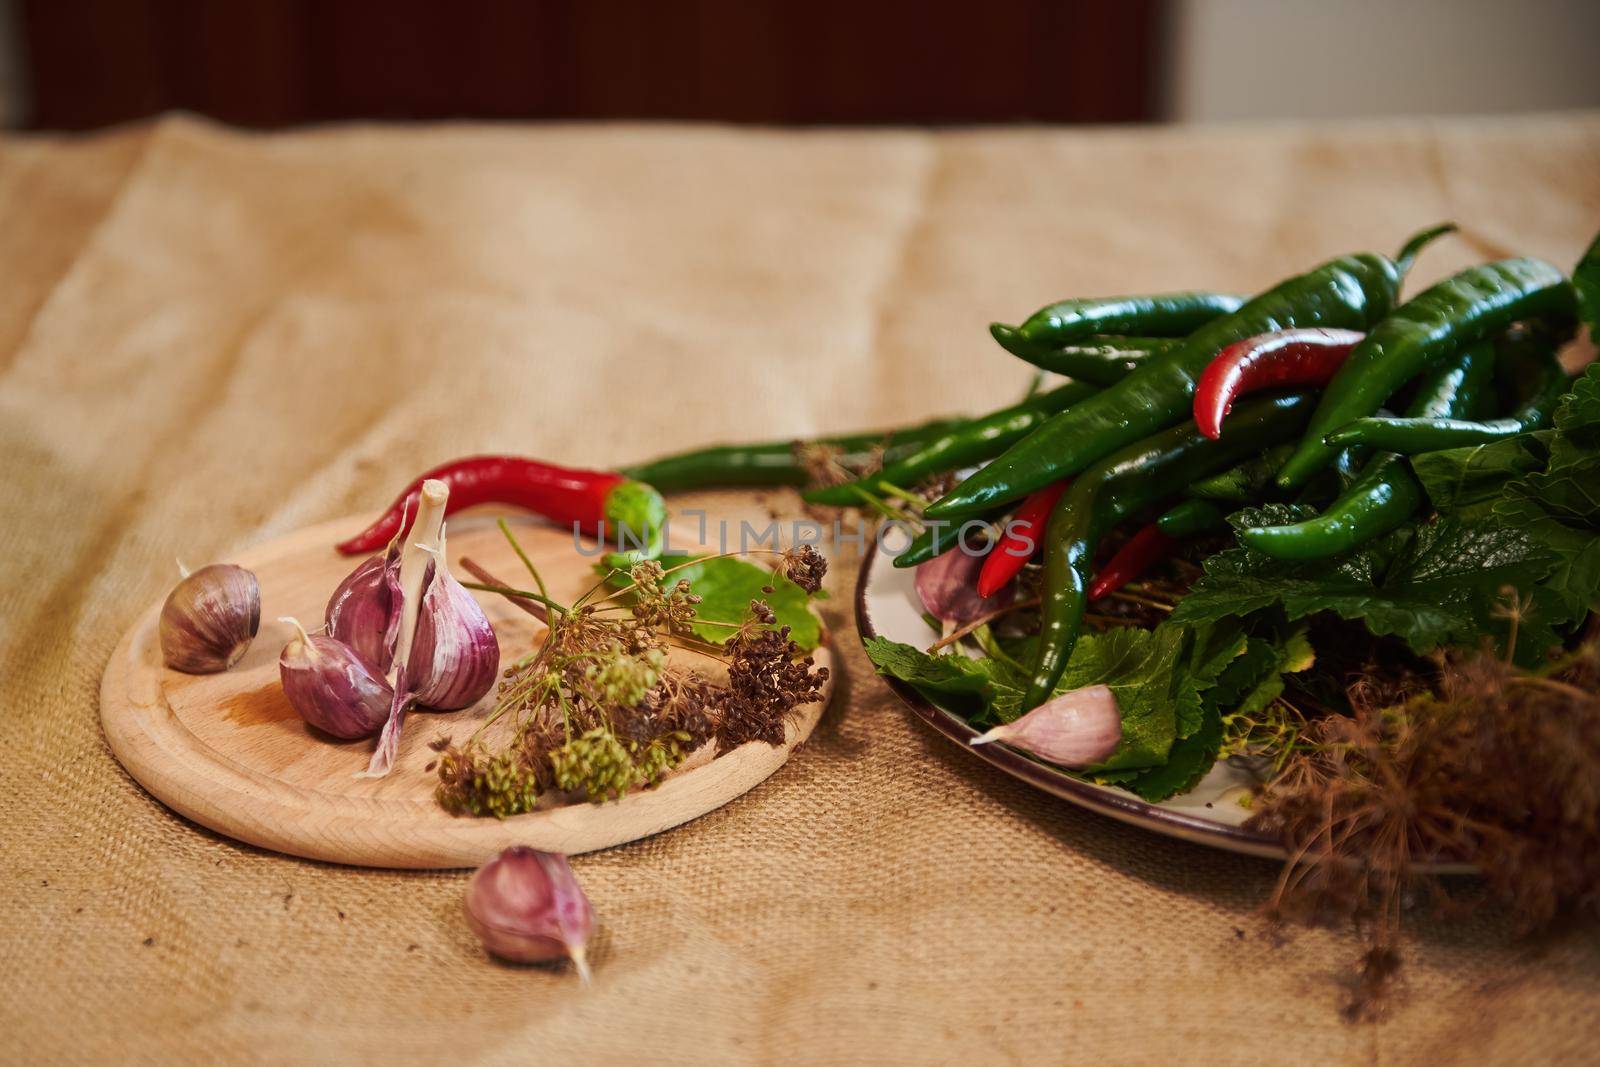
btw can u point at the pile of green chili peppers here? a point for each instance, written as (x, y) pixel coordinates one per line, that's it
(1469, 360)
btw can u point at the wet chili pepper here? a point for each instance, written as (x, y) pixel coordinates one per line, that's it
(1410, 436)
(594, 502)
(771, 463)
(1019, 540)
(1385, 494)
(1244, 483)
(1350, 292)
(1306, 356)
(1097, 360)
(1190, 518)
(1164, 315)
(1126, 481)
(1586, 280)
(1470, 306)
(1137, 553)
(971, 442)
(938, 537)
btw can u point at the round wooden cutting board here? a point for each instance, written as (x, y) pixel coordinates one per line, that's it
(227, 750)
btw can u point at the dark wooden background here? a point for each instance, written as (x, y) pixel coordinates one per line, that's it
(280, 62)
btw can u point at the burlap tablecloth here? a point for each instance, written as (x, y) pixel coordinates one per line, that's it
(209, 338)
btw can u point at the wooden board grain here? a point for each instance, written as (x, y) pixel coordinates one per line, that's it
(227, 750)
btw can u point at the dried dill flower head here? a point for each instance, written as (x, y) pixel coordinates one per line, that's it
(623, 678)
(669, 610)
(821, 463)
(804, 566)
(765, 684)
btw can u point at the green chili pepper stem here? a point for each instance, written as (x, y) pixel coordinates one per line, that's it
(1163, 315)
(1131, 479)
(1190, 518)
(1349, 292)
(971, 442)
(1417, 242)
(1386, 494)
(1465, 308)
(770, 463)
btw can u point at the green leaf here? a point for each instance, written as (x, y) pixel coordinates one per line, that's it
(1468, 482)
(1586, 280)
(1158, 678)
(726, 585)
(1442, 583)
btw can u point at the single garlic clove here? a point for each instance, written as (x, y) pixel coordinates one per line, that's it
(209, 619)
(527, 906)
(1076, 729)
(947, 585)
(455, 658)
(364, 611)
(332, 686)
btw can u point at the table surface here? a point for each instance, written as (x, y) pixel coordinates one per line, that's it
(209, 338)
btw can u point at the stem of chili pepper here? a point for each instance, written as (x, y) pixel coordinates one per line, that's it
(1131, 560)
(585, 500)
(1308, 356)
(1019, 540)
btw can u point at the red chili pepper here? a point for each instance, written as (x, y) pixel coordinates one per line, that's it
(1142, 549)
(1283, 357)
(1020, 539)
(568, 497)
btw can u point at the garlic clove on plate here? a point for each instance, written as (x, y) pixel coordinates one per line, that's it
(1076, 729)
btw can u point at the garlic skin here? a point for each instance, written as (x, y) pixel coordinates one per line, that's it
(209, 619)
(527, 906)
(364, 611)
(333, 686)
(455, 658)
(947, 585)
(1075, 730)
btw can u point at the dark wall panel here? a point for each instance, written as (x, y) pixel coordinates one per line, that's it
(277, 62)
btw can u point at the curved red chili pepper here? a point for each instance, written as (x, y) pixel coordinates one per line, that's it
(1283, 357)
(560, 494)
(1020, 539)
(1131, 560)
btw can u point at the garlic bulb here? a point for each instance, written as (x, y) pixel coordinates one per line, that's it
(209, 619)
(455, 658)
(1076, 729)
(333, 686)
(947, 585)
(527, 906)
(364, 611)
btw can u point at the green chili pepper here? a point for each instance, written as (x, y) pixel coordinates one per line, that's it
(776, 462)
(1410, 436)
(1586, 280)
(970, 442)
(1126, 481)
(1351, 292)
(1097, 360)
(1191, 517)
(1166, 315)
(1386, 494)
(1472, 305)
(1244, 483)
(938, 538)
